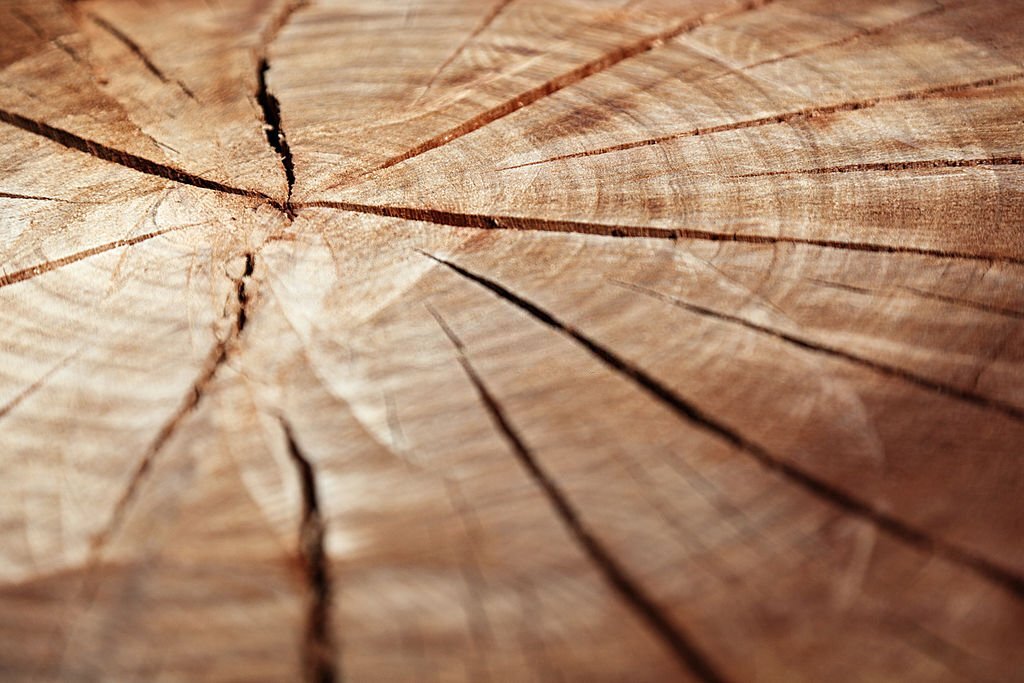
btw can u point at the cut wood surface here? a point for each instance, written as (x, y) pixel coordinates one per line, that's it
(512, 340)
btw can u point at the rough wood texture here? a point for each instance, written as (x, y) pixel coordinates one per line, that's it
(512, 340)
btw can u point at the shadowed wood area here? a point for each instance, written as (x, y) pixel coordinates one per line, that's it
(512, 340)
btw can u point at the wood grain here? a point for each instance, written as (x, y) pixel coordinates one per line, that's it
(512, 340)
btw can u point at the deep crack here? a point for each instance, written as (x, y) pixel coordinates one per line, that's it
(821, 488)
(274, 132)
(687, 652)
(318, 652)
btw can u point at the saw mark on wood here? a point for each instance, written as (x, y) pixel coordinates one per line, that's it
(488, 222)
(925, 383)
(119, 157)
(318, 650)
(893, 166)
(785, 117)
(564, 80)
(47, 266)
(137, 50)
(632, 593)
(817, 487)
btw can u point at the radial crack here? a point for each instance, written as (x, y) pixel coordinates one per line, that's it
(137, 50)
(38, 384)
(319, 650)
(889, 370)
(493, 14)
(858, 35)
(893, 166)
(119, 157)
(38, 198)
(966, 303)
(274, 132)
(564, 80)
(951, 300)
(814, 485)
(785, 117)
(197, 391)
(488, 222)
(617, 577)
(47, 266)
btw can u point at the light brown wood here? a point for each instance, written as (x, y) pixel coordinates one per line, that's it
(512, 340)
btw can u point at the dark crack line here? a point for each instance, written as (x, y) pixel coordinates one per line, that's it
(632, 593)
(121, 158)
(893, 166)
(37, 384)
(966, 303)
(925, 383)
(274, 132)
(564, 80)
(951, 300)
(42, 268)
(496, 10)
(318, 654)
(786, 117)
(277, 23)
(819, 488)
(137, 50)
(39, 198)
(241, 294)
(858, 35)
(486, 222)
(270, 106)
(217, 358)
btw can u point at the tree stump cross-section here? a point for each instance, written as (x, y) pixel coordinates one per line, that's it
(512, 340)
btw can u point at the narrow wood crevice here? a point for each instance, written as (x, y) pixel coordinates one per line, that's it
(39, 198)
(278, 22)
(632, 593)
(493, 14)
(197, 391)
(47, 266)
(121, 158)
(787, 117)
(966, 303)
(270, 106)
(893, 166)
(925, 383)
(37, 384)
(274, 132)
(137, 50)
(29, 22)
(488, 222)
(564, 80)
(319, 646)
(820, 488)
(242, 295)
(860, 34)
(952, 300)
